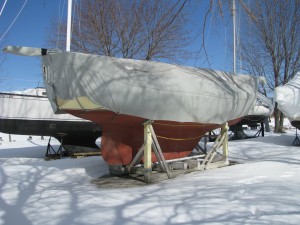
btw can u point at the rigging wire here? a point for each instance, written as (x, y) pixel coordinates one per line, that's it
(75, 11)
(13, 21)
(79, 21)
(3, 7)
(74, 8)
(238, 49)
(73, 15)
(61, 7)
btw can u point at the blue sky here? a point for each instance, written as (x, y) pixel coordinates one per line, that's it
(32, 27)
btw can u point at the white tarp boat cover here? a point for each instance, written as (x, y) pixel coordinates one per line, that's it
(30, 105)
(262, 107)
(147, 89)
(288, 98)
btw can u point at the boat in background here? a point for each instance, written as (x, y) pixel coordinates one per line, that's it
(119, 95)
(262, 107)
(288, 100)
(261, 110)
(29, 112)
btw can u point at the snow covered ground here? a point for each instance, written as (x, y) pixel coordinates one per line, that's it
(263, 189)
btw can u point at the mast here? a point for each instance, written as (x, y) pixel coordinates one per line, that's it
(69, 18)
(234, 38)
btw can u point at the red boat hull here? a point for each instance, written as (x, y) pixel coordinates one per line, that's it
(123, 135)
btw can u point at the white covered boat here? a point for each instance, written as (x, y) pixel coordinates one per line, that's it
(29, 112)
(261, 110)
(288, 100)
(120, 94)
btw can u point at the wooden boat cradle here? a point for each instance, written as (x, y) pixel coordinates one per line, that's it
(199, 162)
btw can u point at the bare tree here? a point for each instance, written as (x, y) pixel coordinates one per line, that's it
(273, 48)
(139, 29)
(270, 44)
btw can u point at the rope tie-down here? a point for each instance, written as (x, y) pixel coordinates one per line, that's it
(201, 162)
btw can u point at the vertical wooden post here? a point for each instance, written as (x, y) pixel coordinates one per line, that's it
(147, 152)
(224, 129)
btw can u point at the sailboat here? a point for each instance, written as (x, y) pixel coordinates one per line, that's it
(29, 112)
(288, 100)
(261, 110)
(121, 94)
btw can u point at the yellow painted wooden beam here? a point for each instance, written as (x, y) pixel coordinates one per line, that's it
(147, 152)
(224, 130)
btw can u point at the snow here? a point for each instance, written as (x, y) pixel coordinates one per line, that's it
(263, 189)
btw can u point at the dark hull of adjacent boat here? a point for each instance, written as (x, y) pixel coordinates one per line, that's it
(123, 135)
(81, 134)
(296, 123)
(253, 120)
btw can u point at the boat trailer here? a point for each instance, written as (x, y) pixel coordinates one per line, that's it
(174, 167)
